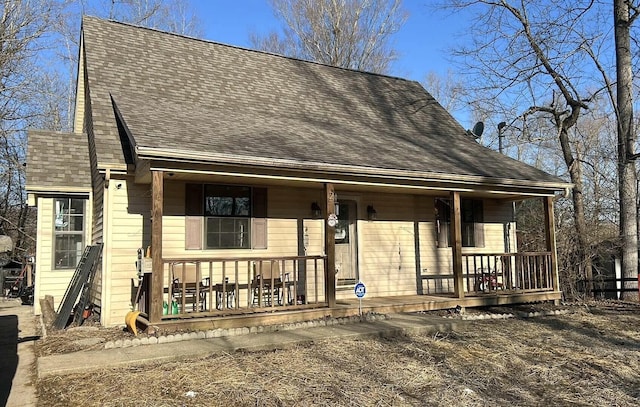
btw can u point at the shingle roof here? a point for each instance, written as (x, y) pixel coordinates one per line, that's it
(181, 94)
(57, 162)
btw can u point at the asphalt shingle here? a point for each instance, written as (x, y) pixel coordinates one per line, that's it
(182, 94)
(57, 161)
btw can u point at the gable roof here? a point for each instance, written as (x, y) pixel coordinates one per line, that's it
(189, 99)
(57, 162)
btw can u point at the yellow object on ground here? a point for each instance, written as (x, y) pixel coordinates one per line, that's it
(135, 320)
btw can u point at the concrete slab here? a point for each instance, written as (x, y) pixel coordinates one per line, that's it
(17, 356)
(18, 329)
(396, 324)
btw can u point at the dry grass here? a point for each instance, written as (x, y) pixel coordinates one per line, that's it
(588, 358)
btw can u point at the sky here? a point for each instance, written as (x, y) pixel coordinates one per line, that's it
(422, 42)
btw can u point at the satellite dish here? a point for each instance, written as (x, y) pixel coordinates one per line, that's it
(478, 129)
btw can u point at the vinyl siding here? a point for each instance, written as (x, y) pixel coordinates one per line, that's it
(49, 281)
(386, 246)
(387, 260)
(286, 207)
(438, 261)
(129, 227)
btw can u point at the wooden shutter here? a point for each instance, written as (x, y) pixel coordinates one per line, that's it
(443, 233)
(259, 233)
(478, 224)
(194, 217)
(193, 200)
(193, 232)
(443, 222)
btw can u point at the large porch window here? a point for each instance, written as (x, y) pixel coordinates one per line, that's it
(225, 217)
(472, 222)
(68, 232)
(227, 211)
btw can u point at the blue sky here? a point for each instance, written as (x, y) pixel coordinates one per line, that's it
(422, 42)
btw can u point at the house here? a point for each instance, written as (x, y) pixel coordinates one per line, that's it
(262, 189)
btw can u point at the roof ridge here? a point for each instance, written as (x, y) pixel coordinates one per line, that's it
(157, 30)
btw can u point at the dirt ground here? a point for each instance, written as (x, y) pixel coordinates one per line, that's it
(589, 357)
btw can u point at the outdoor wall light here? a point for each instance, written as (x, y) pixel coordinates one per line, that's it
(315, 210)
(371, 213)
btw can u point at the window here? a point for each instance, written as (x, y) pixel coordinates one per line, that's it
(227, 210)
(472, 222)
(342, 227)
(68, 232)
(227, 216)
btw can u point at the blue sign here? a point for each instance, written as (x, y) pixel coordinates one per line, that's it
(360, 290)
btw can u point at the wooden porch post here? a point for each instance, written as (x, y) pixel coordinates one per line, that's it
(550, 237)
(157, 283)
(456, 234)
(330, 247)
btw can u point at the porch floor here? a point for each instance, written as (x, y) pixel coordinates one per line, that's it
(415, 303)
(351, 307)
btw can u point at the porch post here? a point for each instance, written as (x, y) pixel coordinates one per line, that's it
(550, 238)
(330, 247)
(157, 283)
(456, 235)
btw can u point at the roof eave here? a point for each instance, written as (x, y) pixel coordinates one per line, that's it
(149, 153)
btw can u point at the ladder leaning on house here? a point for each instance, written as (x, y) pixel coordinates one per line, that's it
(80, 284)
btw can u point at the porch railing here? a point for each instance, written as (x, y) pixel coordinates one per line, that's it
(495, 272)
(221, 286)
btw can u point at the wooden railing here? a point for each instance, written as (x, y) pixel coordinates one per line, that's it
(510, 271)
(221, 286)
(494, 272)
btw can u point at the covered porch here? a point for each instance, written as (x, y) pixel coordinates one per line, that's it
(222, 292)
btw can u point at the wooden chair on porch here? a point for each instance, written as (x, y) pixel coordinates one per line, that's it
(188, 288)
(267, 283)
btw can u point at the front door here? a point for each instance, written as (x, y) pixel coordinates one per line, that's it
(346, 245)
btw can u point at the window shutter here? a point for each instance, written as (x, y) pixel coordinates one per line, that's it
(193, 232)
(193, 219)
(478, 234)
(443, 222)
(478, 224)
(259, 232)
(193, 200)
(443, 234)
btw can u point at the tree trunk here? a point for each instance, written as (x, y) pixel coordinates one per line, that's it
(575, 172)
(626, 165)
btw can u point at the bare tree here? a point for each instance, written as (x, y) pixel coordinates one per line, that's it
(23, 29)
(35, 92)
(546, 58)
(625, 12)
(447, 90)
(353, 34)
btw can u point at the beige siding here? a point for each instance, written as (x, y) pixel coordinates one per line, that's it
(284, 207)
(438, 261)
(80, 90)
(386, 245)
(128, 227)
(49, 281)
(387, 260)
